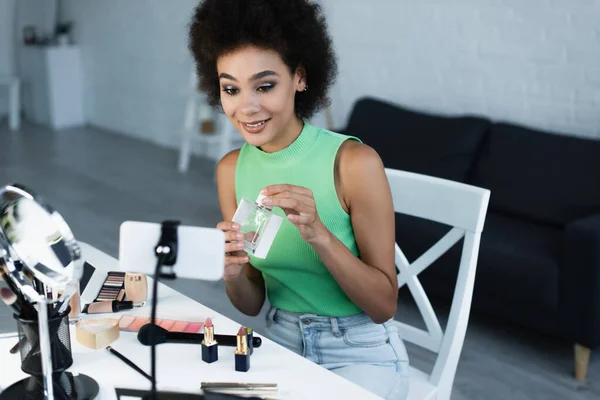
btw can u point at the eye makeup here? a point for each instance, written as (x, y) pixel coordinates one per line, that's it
(113, 287)
(266, 86)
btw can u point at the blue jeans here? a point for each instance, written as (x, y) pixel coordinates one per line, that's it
(371, 355)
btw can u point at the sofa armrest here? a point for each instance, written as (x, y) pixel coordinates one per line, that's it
(580, 280)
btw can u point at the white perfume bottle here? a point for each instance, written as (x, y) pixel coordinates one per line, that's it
(259, 225)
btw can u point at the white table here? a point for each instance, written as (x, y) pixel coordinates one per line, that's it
(180, 366)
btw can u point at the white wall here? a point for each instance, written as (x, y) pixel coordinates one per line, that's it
(39, 13)
(7, 28)
(7, 49)
(535, 62)
(14, 15)
(136, 64)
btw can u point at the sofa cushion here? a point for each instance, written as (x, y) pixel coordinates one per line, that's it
(418, 142)
(518, 260)
(545, 176)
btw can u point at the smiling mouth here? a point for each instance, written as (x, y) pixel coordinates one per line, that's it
(255, 124)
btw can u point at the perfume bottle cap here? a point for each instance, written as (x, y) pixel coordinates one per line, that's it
(259, 200)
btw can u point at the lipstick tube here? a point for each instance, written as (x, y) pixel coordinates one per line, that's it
(210, 348)
(251, 340)
(242, 352)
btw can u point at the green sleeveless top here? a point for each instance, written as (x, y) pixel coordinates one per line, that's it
(296, 279)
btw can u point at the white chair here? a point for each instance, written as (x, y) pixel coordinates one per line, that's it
(14, 100)
(191, 135)
(463, 207)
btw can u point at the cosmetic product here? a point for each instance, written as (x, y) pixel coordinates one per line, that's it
(28, 311)
(258, 224)
(131, 323)
(241, 388)
(136, 287)
(97, 333)
(75, 304)
(163, 336)
(128, 362)
(10, 298)
(17, 346)
(141, 394)
(20, 306)
(104, 307)
(113, 287)
(250, 340)
(210, 348)
(242, 353)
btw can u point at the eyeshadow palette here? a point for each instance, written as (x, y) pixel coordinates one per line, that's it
(113, 287)
(130, 323)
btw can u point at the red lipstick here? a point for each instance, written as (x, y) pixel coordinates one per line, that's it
(210, 348)
(242, 352)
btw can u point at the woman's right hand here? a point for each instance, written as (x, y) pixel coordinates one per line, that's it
(235, 256)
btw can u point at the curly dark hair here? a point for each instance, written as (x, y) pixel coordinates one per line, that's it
(296, 29)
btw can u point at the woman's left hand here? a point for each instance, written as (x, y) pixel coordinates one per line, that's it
(298, 204)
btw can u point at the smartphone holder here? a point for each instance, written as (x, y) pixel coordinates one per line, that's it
(176, 251)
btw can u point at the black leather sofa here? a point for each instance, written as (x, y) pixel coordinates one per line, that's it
(539, 258)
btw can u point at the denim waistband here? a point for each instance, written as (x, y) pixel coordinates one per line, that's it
(319, 321)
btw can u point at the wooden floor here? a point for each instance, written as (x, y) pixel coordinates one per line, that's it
(98, 179)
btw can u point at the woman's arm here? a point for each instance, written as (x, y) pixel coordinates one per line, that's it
(246, 290)
(369, 281)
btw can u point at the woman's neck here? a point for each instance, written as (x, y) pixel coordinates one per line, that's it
(285, 137)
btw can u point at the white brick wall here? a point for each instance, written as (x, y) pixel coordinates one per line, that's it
(535, 62)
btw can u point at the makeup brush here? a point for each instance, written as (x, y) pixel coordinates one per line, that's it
(161, 335)
(17, 346)
(11, 299)
(129, 362)
(28, 310)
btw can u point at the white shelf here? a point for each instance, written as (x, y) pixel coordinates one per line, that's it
(52, 85)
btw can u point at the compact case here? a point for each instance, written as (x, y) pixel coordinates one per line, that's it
(124, 286)
(97, 333)
(113, 287)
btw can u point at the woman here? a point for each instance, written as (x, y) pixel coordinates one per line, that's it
(330, 273)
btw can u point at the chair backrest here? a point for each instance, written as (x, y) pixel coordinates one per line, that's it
(463, 207)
